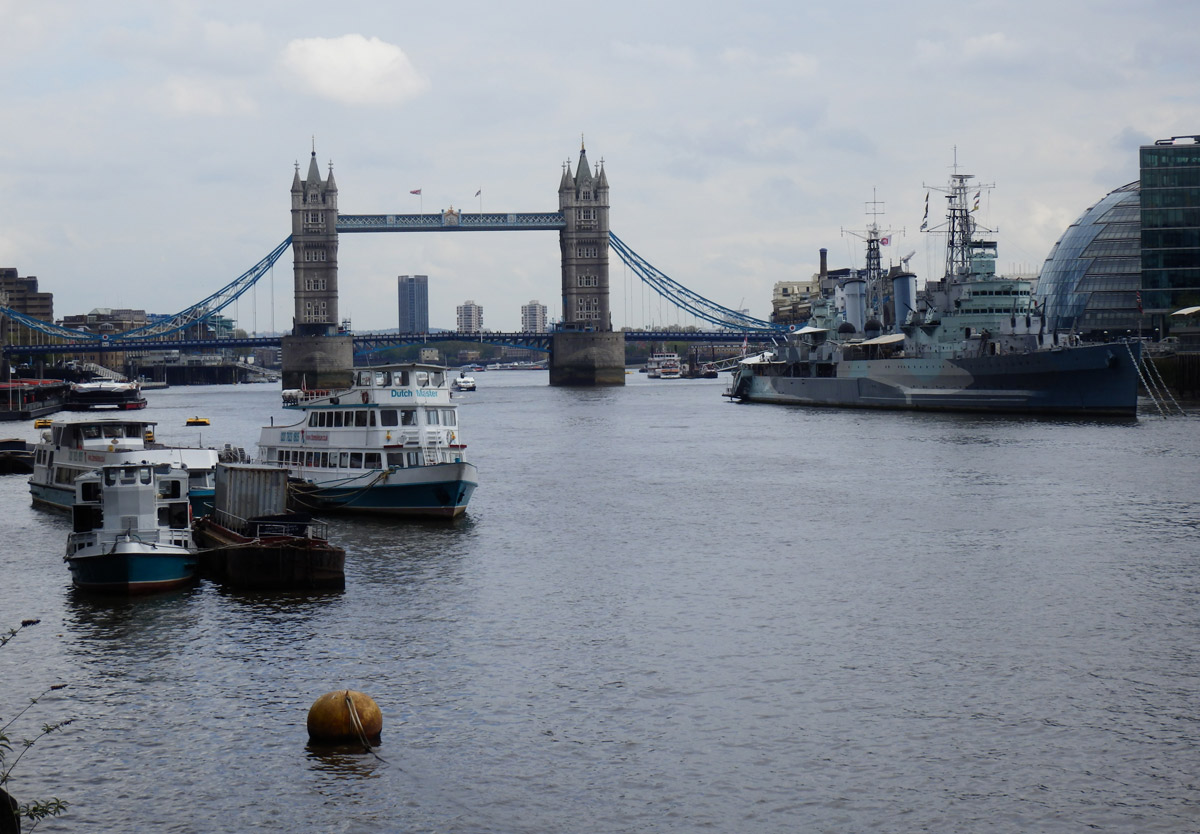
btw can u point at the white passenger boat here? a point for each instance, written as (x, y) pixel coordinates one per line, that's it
(388, 444)
(463, 382)
(132, 530)
(663, 366)
(70, 449)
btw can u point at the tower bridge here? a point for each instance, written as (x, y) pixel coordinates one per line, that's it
(584, 349)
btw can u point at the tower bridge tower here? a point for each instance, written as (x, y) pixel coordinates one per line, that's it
(585, 351)
(315, 355)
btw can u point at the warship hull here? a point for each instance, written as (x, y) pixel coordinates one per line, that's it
(1083, 380)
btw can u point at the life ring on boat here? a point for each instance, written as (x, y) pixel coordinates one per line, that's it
(365, 397)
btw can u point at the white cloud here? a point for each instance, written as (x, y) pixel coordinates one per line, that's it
(354, 70)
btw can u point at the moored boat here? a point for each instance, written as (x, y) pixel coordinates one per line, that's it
(388, 444)
(972, 341)
(251, 542)
(68, 450)
(131, 530)
(16, 457)
(22, 399)
(121, 394)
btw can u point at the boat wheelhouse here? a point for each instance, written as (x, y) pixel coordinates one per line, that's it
(388, 444)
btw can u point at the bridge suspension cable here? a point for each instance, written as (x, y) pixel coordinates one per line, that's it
(686, 299)
(198, 312)
(213, 304)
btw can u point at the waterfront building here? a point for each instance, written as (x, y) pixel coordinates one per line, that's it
(533, 317)
(791, 300)
(1133, 258)
(413, 295)
(1091, 278)
(469, 317)
(1170, 220)
(21, 294)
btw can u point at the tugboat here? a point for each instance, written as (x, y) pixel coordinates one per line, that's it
(389, 444)
(972, 341)
(132, 530)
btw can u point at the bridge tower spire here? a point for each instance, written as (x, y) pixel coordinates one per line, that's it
(584, 350)
(317, 354)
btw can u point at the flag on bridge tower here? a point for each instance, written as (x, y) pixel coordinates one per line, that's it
(416, 191)
(477, 193)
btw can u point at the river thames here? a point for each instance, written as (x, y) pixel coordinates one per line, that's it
(662, 612)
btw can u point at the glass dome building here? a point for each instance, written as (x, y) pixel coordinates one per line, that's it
(1090, 283)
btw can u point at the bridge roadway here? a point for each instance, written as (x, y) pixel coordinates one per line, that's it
(365, 343)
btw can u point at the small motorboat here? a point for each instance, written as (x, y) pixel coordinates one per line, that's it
(42, 423)
(197, 421)
(462, 382)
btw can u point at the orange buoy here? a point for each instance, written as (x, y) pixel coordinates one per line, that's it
(345, 716)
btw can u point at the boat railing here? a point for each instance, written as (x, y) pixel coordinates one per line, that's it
(264, 528)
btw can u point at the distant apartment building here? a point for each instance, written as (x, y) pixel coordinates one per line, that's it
(533, 317)
(22, 295)
(469, 317)
(413, 293)
(791, 301)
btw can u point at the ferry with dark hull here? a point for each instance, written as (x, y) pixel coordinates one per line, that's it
(973, 341)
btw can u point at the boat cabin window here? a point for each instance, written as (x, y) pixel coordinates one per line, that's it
(422, 378)
(90, 491)
(364, 379)
(383, 379)
(408, 416)
(344, 462)
(373, 460)
(356, 460)
(449, 418)
(312, 420)
(395, 459)
(437, 379)
(431, 417)
(86, 517)
(388, 417)
(400, 378)
(360, 419)
(414, 458)
(91, 432)
(169, 488)
(114, 431)
(174, 515)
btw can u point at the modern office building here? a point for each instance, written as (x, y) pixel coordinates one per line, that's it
(1170, 216)
(413, 293)
(1133, 258)
(1090, 280)
(533, 317)
(469, 317)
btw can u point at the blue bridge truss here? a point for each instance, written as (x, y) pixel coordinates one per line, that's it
(170, 332)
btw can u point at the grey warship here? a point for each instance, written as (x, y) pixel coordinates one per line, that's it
(972, 341)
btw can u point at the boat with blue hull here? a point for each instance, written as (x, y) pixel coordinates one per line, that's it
(389, 444)
(972, 341)
(131, 530)
(68, 450)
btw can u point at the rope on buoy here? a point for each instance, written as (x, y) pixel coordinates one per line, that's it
(358, 728)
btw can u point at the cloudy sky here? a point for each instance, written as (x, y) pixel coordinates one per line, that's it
(148, 147)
